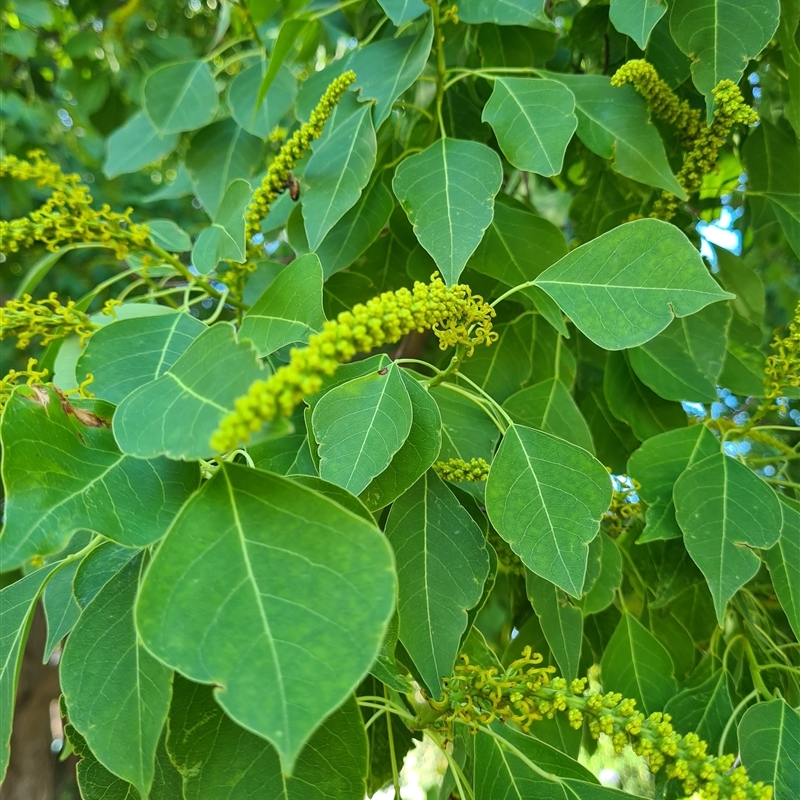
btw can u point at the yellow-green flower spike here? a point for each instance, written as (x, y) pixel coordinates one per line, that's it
(661, 100)
(526, 692)
(47, 318)
(67, 216)
(455, 315)
(783, 366)
(702, 158)
(30, 375)
(456, 469)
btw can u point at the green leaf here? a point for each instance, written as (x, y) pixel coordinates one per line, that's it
(360, 425)
(783, 561)
(78, 480)
(17, 604)
(545, 497)
(290, 309)
(135, 145)
(414, 458)
(721, 36)
(501, 767)
(769, 738)
(291, 612)
(166, 234)
(225, 238)
(448, 193)
(442, 565)
(637, 18)
(632, 402)
(402, 11)
(637, 666)
(97, 569)
(657, 464)
(218, 758)
(116, 692)
(180, 97)
(356, 230)
(131, 352)
(290, 31)
(219, 155)
(626, 286)
(515, 249)
(338, 169)
(613, 440)
(548, 406)
(605, 561)
(703, 709)
(533, 120)
(178, 412)
(562, 623)
(501, 12)
(724, 510)
(736, 277)
(60, 608)
(261, 119)
(743, 372)
(671, 64)
(515, 46)
(385, 69)
(685, 360)
(614, 123)
(385, 666)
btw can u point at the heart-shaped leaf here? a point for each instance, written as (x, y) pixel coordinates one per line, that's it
(180, 97)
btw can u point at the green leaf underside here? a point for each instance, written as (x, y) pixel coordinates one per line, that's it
(534, 121)
(657, 464)
(724, 510)
(130, 352)
(442, 565)
(626, 286)
(419, 451)
(685, 360)
(177, 413)
(217, 758)
(360, 425)
(721, 36)
(613, 122)
(549, 406)
(180, 97)
(116, 692)
(448, 193)
(298, 568)
(635, 664)
(62, 476)
(545, 497)
(562, 623)
(17, 603)
(339, 169)
(290, 309)
(769, 737)
(637, 18)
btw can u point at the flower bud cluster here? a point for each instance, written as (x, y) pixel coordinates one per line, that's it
(455, 315)
(702, 158)
(30, 374)
(783, 366)
(67, 216)
(456, 469)
(47, 318)
(661, 100)
(525, 693)
(280, 170)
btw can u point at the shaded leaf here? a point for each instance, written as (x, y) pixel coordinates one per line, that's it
(60, 608)
(225, 238)
(442, 564)
(261, 119)
(637, 18)
(600, 594)
(135, 145)
(783, 560)
(704, 709)
(97, 569)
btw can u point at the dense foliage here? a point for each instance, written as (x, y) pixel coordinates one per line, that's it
(377, 379)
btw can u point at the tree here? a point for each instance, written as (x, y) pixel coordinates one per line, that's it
(378, 380)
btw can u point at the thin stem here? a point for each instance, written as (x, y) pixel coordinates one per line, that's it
(376, 716)
(478, 402)
(462, 784)
(452, 367)
(225, 46)
(237, 57)
(488, 397)
(417, 361)
(392, 754)
(778, 482)
(548, 776)
(423, 111)
(732, 720)
(373, 33)
(511, 291)
(441, 66)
